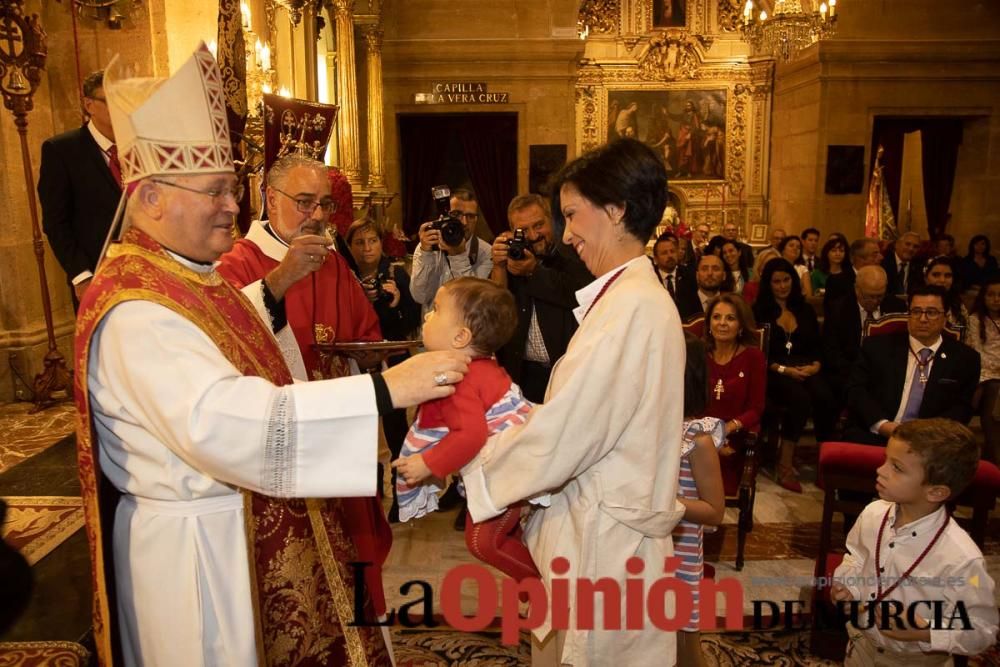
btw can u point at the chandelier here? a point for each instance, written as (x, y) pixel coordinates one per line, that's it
(789, 30)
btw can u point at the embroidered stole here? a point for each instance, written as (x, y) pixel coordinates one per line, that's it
(302, 588)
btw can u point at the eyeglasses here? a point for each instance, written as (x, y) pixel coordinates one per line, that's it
(471, 217)
(236, 192)
(306, 205)
(926, 313)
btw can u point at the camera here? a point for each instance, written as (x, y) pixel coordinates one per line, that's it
(451, 228)
(517, 246)
(375, 284)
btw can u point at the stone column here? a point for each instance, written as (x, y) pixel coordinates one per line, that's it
(373, 47)
(347, 92)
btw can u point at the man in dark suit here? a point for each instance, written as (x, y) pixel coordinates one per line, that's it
(673, 275)
(710, 278)
(864, 252)
(843, 328)
(79, 185)
(914, 375)
(902, 268)
(544, 284)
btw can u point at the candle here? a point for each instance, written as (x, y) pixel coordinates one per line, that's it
(245, 13)
(256, 51)
(284, 92)
(822, 10)
(763, 16)
(833, 7)
(265, 53)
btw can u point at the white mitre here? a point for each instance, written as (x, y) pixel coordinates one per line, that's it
(175, 125)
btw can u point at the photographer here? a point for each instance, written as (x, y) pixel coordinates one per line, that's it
(435, 262)
(544, 282)
(385, 284)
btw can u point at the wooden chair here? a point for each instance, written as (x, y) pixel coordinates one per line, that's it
(739, 470)
(897, 322)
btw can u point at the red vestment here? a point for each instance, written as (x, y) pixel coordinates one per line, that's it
(329, 301)
(293, 614)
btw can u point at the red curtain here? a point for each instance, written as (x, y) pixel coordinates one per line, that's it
(940, 139)
(489, 151)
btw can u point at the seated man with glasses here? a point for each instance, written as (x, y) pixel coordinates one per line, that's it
(918, 374)
(435, 262)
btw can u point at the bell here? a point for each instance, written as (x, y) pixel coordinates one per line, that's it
(16, 83)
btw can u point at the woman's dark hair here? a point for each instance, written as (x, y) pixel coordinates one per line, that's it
(953, 295)
(695, 378)
(626, 173)
(714, 245)
(743, 314)
(788, 239)
(976, 239)
(979, 305)
(741, 259)
(824, 254)
(766, 308)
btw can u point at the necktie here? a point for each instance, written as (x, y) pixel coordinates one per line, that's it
(809, 263)
(912, 409)
(902, 278)
(114, 165)
(670, 284)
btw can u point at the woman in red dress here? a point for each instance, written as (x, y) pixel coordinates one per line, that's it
(736, 367)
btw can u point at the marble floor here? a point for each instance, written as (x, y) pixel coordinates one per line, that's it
(779, 551)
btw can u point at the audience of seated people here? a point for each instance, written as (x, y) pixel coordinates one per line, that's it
(914, 374)
(791, 250)
(730, 232)
(736, 265)
(844, 325)
(794, 381)
(984, 337)
(666, 254)
(944, 246)
(864, 252)
(710, 278)
(736, 367)
(752, 288)
(810, 248)
(902, 266)
(831, 263)
(826, 369)
(940, 271)
(978, 264)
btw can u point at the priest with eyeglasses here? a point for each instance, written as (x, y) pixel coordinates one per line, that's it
(209, 479)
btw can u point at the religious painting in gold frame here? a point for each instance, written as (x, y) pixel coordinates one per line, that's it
(687, 127)
(669, 13)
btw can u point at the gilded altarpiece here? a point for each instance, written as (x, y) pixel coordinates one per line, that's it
(691, 92)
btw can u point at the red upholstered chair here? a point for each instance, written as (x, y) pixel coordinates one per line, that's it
(739, 470)
(846, 466)
(896, 322)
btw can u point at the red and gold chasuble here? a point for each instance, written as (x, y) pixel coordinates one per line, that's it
(302, 618)
(327, 306)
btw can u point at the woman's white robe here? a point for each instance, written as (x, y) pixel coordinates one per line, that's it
(606, 446)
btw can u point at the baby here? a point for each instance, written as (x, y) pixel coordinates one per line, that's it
(477, 317)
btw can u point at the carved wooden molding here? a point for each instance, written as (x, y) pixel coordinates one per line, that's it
(601, 16)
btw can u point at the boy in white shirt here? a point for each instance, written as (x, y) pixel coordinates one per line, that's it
(905, 547)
